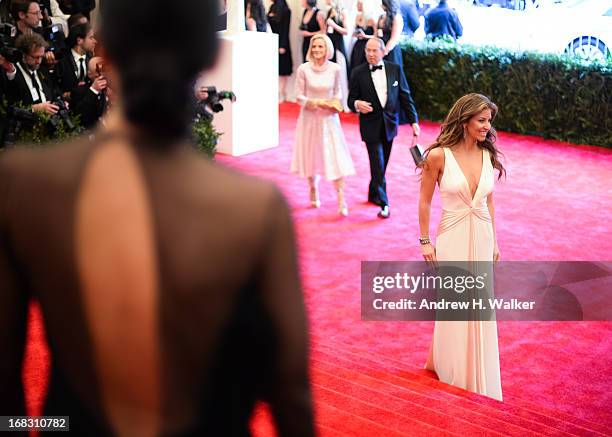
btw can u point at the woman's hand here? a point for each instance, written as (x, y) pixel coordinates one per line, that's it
(312, 103)
(496, 254)
(429, 254)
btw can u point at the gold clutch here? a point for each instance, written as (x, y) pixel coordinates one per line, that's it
(332, 104)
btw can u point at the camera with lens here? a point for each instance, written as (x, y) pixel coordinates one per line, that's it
(17, 120)
(63, 114)
(7, 42)
(54, 35)
(212, 101)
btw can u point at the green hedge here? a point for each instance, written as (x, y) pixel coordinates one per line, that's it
(204, 135)
(538, 94)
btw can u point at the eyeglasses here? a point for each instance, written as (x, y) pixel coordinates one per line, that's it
(37, 13)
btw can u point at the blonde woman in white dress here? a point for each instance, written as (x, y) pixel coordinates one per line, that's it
(320, 146)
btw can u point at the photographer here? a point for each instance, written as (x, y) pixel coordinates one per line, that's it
(202, 110)
(27, 15)
(72, 68)
(90, 101)
(30, 86)
(208, 101)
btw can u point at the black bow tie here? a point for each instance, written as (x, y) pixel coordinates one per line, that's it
(373, 68)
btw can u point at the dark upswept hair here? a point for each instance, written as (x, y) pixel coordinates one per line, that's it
(452, 129)
(159, 51)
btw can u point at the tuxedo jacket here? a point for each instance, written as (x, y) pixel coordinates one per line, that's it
(88, 105)
(66, 69)
(17, 90)
(381, 122)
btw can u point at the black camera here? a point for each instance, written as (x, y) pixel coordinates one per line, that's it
(215, 97)
(212, 101)
(54, 35)
(17, 119)
(61, 115)
(8, 30)
(7, 41)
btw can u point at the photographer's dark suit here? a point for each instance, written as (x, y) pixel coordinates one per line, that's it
(88, 105)
(18, 90)
(67, 69)
(379, 127)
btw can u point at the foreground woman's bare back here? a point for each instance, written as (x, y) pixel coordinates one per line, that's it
(168, 286)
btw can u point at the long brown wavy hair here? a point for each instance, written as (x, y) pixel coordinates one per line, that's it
(452, 130)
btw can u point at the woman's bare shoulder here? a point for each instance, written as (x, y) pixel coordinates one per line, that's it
(435, 158)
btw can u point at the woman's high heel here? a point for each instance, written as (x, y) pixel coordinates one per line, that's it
(315, 202)
(342, 207)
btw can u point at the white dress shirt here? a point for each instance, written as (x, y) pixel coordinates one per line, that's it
(77, 61)
(379, 77)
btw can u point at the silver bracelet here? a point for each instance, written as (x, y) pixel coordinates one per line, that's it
(424, 240)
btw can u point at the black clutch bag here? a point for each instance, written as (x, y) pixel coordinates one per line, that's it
(417, 152)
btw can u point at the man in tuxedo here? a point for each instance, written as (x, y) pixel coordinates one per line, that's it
(73, 67)
(29, 85)
(378, 90)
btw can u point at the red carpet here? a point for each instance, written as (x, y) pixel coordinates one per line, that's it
(368, 378)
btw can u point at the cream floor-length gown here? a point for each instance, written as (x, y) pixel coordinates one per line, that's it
(465, 353)
(320, 147)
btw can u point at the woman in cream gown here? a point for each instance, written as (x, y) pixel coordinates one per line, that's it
(320, 146)
(462, 162)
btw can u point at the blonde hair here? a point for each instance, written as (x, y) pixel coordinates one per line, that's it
(328, 43)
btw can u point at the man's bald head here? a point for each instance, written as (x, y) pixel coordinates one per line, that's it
(92, 67)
